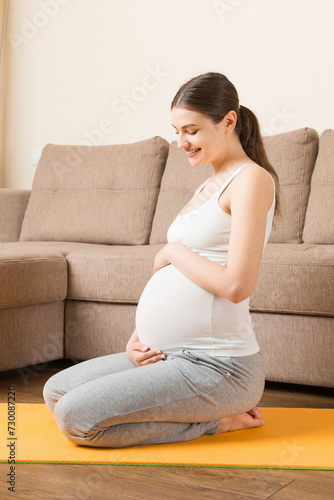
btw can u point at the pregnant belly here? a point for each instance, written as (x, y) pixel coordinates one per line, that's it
(173, 311)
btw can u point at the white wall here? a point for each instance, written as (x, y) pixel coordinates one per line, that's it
(71, 64)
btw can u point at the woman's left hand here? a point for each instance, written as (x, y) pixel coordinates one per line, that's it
(163, 257)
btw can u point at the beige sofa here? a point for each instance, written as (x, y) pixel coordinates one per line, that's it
(77, 250)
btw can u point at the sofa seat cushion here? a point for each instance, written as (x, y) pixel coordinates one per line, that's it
(295, 279)
(106, 273)
(31, 276)
(59, 247)
(96, 194)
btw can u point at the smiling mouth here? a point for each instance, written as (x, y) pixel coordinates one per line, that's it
(192, 152)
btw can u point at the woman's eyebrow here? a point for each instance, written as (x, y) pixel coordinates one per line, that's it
(188, 125)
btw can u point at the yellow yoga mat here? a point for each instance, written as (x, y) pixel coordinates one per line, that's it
(293, 438)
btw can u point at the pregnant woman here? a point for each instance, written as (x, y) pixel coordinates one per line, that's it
(192, 365)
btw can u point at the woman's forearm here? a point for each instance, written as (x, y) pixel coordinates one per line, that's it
(209, 275)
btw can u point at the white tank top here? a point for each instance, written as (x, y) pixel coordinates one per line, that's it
(174, 313)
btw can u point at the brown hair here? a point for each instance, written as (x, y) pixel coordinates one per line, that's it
(213, 95)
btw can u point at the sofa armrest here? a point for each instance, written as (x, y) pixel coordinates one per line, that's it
(13, 204)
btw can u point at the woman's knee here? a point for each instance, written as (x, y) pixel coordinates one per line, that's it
(74, 423)
(69, 419)
(52, 392)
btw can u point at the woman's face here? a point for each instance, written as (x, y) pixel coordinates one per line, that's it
(201, 139)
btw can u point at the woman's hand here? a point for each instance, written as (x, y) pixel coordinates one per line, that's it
(163, 257)
(140, 354)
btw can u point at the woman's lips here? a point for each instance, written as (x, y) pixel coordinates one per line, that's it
(192, 152)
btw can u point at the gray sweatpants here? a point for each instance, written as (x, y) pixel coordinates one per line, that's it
(110, 402)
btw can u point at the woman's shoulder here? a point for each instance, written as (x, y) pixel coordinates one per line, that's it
(256, 174)
(256, 181)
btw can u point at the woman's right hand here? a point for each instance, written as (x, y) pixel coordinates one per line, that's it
(140, 354)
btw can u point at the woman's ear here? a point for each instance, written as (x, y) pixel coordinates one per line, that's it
(230, 121)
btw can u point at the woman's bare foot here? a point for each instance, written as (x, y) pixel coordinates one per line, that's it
(253, 418)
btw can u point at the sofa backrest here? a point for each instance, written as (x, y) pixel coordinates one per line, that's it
(319, 220)
(293, 156)
(96, 194)
(13, 204)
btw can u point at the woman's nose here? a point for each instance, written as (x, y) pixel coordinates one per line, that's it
(182, 142)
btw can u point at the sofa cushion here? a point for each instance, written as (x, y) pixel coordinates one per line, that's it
(59, 247)
(119, 274)
(296, 279)
(319, 220)
(30, 277)
(110, 273)
(293, 156)
(13, 204)
(96, 194)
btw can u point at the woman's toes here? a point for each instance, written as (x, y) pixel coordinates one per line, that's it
(247, 420)
(255, 412)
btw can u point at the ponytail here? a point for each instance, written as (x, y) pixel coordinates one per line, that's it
(248, 131)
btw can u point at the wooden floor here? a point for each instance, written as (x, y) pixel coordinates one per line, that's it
(97, 482)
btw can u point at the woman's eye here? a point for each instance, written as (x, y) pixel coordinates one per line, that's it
(190, 133)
